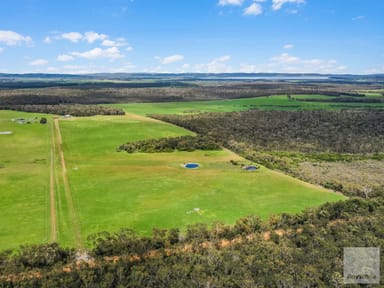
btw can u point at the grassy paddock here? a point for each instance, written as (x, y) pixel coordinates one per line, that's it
(113, 189)
(24, 180)
(279, 102)
(141, 191)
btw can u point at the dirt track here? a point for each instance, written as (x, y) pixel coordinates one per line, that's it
(67, 189)
(52, 192)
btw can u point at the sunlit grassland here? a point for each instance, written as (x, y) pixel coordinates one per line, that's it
(114, 189)
(24, 180)
(278, 102)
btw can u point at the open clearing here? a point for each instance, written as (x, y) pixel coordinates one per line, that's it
(278, 102)
(100, 189)
(24, 181)
(141, 191)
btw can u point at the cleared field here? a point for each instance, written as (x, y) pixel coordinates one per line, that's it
(279, 102)
(24, 181)
(141, 191)
(105, 190)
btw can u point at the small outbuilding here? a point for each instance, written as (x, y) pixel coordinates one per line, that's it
(250, 168)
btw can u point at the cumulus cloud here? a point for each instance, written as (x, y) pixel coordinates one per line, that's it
(253, 9)
(108, 43)
(249, 68)
(72, 36)
(52, 69)
(288, 46)
(375, 70)
(224, 58)
(284, 58)
(47, 40)
(112, 53)
(216, 65)
(12, 38)
(114, 43)
(358, 18)
(230, 2)
(64, 58)
(171, 59)
(278, 4)
(91, 36)
(38, 62)
(293, 64)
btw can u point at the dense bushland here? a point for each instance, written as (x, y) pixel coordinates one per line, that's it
(101, 93)
(71, 109)
(302, 131)
(170, 144)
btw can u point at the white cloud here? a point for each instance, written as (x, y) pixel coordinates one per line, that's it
(93, 36)
(170, 59)
(108, 43)
(288, 46)
(217, 65)
(278, 4)
(253, 9)
(47, 40)
(230, 2)
(247, 68)
(224, 58)
(72, 36)
(1, 49)
(119, 42)
(129, 49)
(38, 62)
(12, 38)
(52, 69)
(358, 18)
(285, 58)
(292, 64)
(112, 53)
(375, 70)
(64, 58)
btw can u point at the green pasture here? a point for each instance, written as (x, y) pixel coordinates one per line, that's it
(24, 180)
(111, 189)
(114, 189)
(278, 102)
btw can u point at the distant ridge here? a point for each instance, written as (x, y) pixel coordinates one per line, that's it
(188, 76)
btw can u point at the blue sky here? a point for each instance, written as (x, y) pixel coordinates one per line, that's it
(89, 36)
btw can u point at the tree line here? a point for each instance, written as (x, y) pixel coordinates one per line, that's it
(170, 144)
(360, 131)
(102, 93)
(71, 109)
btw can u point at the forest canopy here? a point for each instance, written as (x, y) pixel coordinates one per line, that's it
(170, 144)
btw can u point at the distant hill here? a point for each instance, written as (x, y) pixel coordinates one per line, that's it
(189, 76)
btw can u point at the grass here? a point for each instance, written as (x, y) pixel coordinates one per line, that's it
(24, 181)
(278, 102)
(113, 189)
